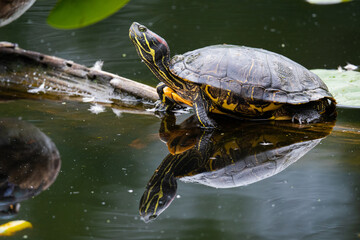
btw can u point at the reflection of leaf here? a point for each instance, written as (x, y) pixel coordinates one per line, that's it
(70, 14)
(345, 86)
(327, 2)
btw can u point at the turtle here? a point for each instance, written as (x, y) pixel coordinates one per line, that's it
(239, 155)
(238, 81)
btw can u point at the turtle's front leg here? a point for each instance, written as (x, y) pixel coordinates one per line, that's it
(201, 106)
(164, 104)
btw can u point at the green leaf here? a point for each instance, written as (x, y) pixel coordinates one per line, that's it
(71, 14)
(344, 85)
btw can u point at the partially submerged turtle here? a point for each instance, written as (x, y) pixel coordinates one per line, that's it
(233, 80)
(239, 155)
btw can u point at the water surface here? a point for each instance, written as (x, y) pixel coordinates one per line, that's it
(107, 161)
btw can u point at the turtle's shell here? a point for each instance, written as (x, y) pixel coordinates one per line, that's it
(250, 73)
(253, 168)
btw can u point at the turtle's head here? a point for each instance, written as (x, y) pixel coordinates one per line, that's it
(157, 197)
(152, 48)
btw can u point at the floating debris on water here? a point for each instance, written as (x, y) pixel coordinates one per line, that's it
(97, 109)
(12, 227)
(351, 67)
(117, 112)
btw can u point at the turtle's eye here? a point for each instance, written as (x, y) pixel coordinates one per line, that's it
(142, 29)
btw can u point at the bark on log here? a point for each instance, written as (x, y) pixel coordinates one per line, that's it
(72, 75)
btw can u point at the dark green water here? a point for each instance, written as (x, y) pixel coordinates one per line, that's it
(106, 161)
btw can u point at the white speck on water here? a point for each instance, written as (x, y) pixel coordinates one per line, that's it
(273, 205)
(178, 196)
(130, 190)
(117, 112)
(103, 203)
(97, 109)
(25, 236)
(266, 143)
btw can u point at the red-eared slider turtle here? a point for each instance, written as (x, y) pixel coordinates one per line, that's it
(239, 155)
(233, 80)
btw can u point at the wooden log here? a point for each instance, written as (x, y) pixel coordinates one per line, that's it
(74, 77)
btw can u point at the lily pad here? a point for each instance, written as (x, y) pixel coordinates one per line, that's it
(344, 85)
(71, 14)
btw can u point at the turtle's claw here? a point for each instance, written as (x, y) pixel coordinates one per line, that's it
(306, 116)
(160, 106)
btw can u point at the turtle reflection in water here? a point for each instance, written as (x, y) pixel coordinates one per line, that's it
(239, 155)
(29, 164)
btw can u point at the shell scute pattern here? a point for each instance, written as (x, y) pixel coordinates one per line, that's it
(249, 73)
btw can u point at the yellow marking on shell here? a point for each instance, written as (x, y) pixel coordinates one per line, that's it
(270, 107)
(280, 118)
(214, 99)
(252, 93)
(216, 110)
(230, 106)
(230, 145)
(225, 105)
(251, 67)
